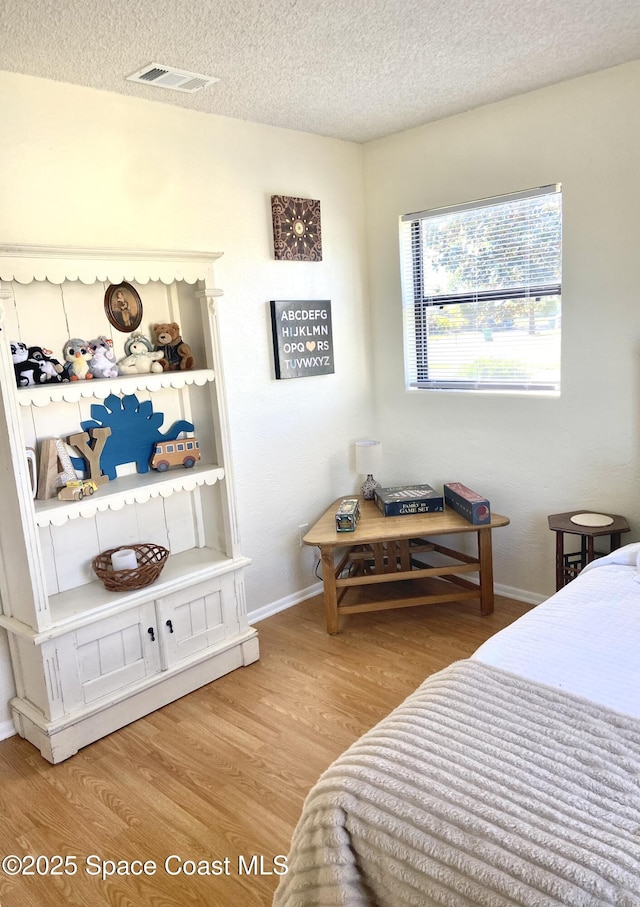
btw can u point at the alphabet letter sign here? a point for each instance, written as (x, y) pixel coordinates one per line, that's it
(302, 338)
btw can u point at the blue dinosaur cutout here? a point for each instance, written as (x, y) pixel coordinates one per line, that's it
(135, 429)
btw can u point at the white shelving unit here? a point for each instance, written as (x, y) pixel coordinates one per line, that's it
(87, 660)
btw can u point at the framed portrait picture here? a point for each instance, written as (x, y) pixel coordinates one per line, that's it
(123, 307)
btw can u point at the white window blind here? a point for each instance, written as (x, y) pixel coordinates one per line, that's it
(481, 288)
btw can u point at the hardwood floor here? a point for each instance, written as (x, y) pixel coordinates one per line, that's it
(221, 774)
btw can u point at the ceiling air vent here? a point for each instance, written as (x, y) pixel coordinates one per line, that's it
(171, 78)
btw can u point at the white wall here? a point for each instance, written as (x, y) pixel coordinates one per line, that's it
(80, 167)
(531, 456)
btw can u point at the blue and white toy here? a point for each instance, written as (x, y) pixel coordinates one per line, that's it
(77, 354)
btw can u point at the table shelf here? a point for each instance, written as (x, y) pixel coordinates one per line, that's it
(569, 564)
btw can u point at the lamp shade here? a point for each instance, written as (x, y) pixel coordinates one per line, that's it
(368, 457)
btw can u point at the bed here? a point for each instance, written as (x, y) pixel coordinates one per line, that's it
(509, 778)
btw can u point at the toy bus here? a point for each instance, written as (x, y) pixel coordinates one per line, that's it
(183, 452)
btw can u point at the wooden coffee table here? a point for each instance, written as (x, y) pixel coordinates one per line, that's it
(389, 549)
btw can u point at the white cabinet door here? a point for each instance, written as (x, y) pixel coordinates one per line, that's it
(194, 619)
(110, 656)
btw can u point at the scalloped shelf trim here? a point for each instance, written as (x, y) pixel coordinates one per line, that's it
(134, 489)
(58, 264)
(100, 388)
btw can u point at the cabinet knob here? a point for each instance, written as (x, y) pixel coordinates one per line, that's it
(152, 634)
(170, 625)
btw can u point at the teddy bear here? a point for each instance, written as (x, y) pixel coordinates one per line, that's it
(141, 358)
(103, 361)
(176, 354)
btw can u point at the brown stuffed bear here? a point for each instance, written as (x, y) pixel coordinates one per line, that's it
(177, 355)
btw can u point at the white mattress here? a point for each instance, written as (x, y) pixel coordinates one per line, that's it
(585, 639)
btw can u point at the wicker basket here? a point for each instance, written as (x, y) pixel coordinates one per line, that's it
(151, 559)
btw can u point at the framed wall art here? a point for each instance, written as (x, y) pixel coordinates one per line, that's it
(123, 307)
(296, 228)
(302, 338)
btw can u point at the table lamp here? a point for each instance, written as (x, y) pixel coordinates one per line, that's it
(368, 459)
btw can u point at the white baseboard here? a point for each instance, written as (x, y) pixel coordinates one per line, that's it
(283, 603)
(530, 598)
(7, 729)
(520, 595)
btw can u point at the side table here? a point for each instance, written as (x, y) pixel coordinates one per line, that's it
(381, 552)
(568, 565)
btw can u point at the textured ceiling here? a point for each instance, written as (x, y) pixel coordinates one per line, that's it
(352, 69)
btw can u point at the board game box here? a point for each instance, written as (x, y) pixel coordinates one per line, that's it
(407, 499)
(469, 504)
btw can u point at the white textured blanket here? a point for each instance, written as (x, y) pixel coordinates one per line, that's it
(480, 789)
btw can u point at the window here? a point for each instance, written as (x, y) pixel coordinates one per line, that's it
(481, 286)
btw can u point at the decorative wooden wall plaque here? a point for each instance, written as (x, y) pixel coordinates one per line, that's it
(296, 228)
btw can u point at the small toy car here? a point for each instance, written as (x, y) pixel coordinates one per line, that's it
(77, 490)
